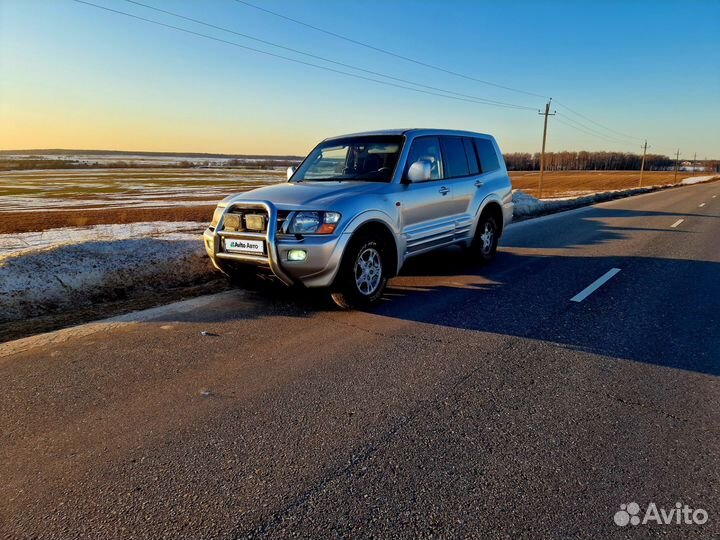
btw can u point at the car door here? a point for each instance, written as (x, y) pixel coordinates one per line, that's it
(426, 207)
(461, 171)
(485, 177)
(493, 177)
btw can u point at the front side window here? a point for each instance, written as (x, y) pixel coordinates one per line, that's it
(456, 163)
(370, 158)
(428, 149)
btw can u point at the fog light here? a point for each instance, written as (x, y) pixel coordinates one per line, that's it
(297, 255)
(232, 222)
(255, 222)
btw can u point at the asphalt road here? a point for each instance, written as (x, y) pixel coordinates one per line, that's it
(474, 402)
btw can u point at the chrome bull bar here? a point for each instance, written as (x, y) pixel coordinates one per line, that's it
(271, 258)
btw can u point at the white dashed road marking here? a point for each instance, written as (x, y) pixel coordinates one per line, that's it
(701, 205)
(595, 285)
(678, 222)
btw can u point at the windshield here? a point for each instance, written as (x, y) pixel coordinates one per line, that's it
(369, 158)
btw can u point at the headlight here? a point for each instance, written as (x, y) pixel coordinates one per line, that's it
(216, 216)
(314, 223)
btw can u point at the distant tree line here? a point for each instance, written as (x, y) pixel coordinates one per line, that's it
(34, 162)
(135, 154)
(596, 161)
(37, 162)
(262, 163)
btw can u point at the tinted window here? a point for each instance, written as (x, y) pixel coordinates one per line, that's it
(427, 148)
(455, 160)
(471, 156)
(488, 156)
(372, 158)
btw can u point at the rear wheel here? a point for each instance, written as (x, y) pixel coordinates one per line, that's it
(362, 277)
(484, 244)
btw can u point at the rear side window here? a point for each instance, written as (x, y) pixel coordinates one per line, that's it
(488, 156)
(471, 156)
(456, 163)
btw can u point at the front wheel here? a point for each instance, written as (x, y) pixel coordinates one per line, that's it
(362, 276)
(484, 244)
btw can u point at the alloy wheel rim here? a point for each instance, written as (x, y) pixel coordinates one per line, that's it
(368, 271)
(487, 237)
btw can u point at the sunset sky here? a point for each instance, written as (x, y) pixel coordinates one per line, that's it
(74, 76)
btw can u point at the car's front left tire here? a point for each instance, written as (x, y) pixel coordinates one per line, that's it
(363, 274)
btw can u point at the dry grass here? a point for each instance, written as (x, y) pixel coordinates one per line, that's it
(20, 222)
(571, 183)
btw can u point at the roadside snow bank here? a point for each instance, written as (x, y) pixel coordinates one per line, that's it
(87, 266)
(697, 179)
(527, 206)
(19, 243)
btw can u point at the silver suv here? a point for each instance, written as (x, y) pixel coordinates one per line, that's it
(360, 205)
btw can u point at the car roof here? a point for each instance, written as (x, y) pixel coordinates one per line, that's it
(415, 132)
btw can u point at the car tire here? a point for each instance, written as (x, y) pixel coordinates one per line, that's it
(484, 244)
(363, 275)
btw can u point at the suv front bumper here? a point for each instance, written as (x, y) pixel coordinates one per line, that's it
(323, 252)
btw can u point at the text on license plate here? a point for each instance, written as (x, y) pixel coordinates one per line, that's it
(245, 246)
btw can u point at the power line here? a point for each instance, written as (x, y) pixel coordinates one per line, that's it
(590, 131)
(434, 91)
(597, 123)
(389, 53)
(324, 59)
(429, 65)
(310, 64)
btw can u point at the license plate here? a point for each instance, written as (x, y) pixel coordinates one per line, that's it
(236, 245)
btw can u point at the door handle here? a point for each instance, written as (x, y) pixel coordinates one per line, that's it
(444, 191)
(479, 183)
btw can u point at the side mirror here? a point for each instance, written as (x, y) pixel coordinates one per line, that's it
(291, 171)
(420, 171)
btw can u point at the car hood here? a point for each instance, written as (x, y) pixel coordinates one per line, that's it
(307, 195)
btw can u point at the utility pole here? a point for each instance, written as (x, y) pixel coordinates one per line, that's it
(542, 155)
(677, 163)
(694, 161)
(642, 163)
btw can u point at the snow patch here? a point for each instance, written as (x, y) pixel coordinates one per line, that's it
(697, 179)
(23, 243)
(528, 206)
(81, 266)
